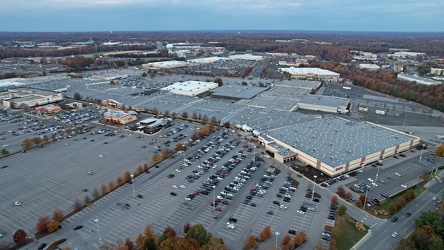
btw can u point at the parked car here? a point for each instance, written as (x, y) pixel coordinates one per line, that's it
(78, 227)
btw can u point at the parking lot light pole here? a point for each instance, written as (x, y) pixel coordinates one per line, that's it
(277, 234)
(98, 230)
(132, 184)
(420, 157)
(365, 199)
(313, 191)
(377, 171)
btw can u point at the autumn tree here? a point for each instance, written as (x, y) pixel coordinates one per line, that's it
(145, 166)
(265, 234)
(120, 181)
(341, 191)
(199, 233)
(348, 196)
(186, 227)
(251, 243)
(19, 237)
(139, 169)
(37, 140)
(96, 193)
(104, 189)
(127, 177)
(440, 150)
(53, 225)
(167, 152)
(170, 230)
(287, 243)
(334, 200)
(77, 96)
(58, 215)
(42, 223)
(26, 144)
(87, 200)
(300, 238)
(128, 244)
(149, 244)
(185, 115)
(179, 146)
(156, 158)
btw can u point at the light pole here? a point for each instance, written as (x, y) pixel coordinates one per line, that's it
(420, 157)
(313, 191)
(132, 184)
(377, 171)
(277, 234)
(98, 230)
(365, 200)
(405, 120)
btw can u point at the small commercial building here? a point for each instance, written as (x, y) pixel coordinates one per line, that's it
(324, 103)
(119, 117)
(311, 73)
(26, 97)
(369, 66)
(47, 109)
(190, 88)
(335, 145)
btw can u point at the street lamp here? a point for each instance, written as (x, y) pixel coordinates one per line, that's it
(132, 181)
(98, 230)
(277, 234)
(313, 191)
(405, 120)
(377, 171)
(420, 157)
(365, 200)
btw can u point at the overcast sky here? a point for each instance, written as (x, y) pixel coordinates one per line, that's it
(171, 15)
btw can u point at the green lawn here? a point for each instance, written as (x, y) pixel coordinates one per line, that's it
(417, 190)
(348, 234)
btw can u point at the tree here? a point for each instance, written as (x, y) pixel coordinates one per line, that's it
(265, 234)
(300, 238)
(334, 200)
(348, 196)
(96, 193)
(433, 219)
(218, 81)
(127, 177)
(19, 237)
(139, 240)
(129, 244)
(440, 150)
(145, 166)
(42, 223)
(170, 230)
(179, 146)
(139, 169)
(149, 244)
(185, 115)
(5, 152)
(287, 243)
(340, 191)
(251, 242)
(26, 144)
(342, 209)
(144, 74)
(104, 189)
(77, 96)
(167, 152)
(4, 246)
(186, 228)
(77, 205)
(87, 200)
(148, 231)
(58, 215)
(156, 158)
(199, 233)
(53, 225)
(111, 186)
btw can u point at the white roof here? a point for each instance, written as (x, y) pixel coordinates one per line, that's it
(369, 66)
(191, 86)
(247, 57)
(208, 59)
(12, 82)
(167, 64)
(307, 71)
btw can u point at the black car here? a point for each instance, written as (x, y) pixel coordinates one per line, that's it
(5, 166)
(232, 220)
(42, 246)
(408, 214)
(394, 219)
(173, 194)
(276, 202)
(293, 232)
(279, 195)
(286, 199)
(78, 227)
(316, 200)
(140, 196)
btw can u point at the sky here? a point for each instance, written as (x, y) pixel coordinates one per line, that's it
(233, 15)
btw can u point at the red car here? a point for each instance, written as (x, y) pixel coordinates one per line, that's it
(218, 209)
(196, 193)
(170, 176)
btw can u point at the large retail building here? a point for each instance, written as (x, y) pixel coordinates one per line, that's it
(335, 145)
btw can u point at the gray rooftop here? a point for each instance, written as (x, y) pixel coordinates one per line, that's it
(234, 91)
(336, 141)
(323, 100)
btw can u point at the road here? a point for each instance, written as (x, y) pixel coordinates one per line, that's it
(381, 235)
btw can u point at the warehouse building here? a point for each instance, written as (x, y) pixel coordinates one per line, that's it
(311, 73)
(335, 145)
(190, 88)
(324, 103)
(237, 92)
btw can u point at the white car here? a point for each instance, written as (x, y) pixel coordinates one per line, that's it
(6, 145)
(283, 207)
(178, 170)
(17, 203)
(231, 226)
(404, 186)
(183, 186)
(175, 186)
(394, 234)
(300, 212)
(101, 156)
(90, 173)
